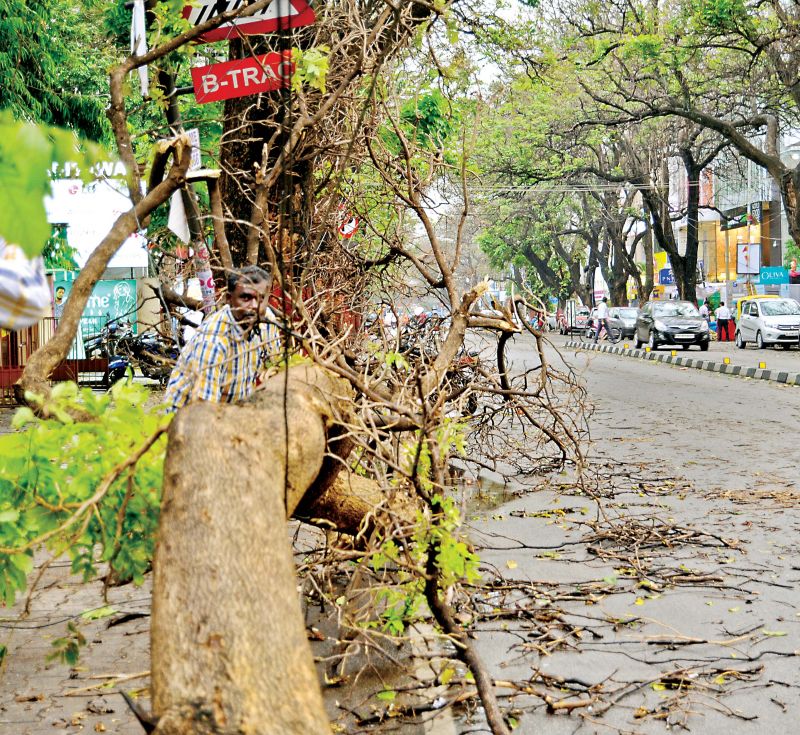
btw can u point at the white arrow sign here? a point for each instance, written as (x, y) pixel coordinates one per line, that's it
(277, 16)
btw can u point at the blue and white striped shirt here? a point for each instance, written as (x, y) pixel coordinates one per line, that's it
(24, 291)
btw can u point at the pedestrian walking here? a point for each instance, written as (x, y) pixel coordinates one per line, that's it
(223, 359)
(601, 316)
(724, 323)
(704, 310)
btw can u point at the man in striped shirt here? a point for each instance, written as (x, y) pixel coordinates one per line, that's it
(221, 362)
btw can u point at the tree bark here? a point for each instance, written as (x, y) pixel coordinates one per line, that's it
(228, 640)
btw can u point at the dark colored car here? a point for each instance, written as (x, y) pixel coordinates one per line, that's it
(627, 316)
(671, 323)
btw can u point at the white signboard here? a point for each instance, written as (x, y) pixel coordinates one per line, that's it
(748, 258)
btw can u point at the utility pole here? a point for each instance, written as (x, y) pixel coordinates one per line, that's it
(727, 265)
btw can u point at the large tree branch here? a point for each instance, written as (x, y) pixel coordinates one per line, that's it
(48, 356)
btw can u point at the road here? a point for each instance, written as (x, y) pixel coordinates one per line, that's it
(776, 358)
(665, 591)
(661, 591)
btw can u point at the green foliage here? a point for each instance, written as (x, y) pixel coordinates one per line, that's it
(53, 63)
(67, 649)
(430, 120)
(310, 67)
(437, 529)
(721, 15)
(58, 253)
(427, 121)
(51, 479)
(646, 46)
(791, 251)
(404, 603)
(27, 153)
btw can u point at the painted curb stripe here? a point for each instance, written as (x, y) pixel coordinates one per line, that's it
(784, 377)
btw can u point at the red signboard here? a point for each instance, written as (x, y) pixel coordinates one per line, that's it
(278, 15)
(242, 77)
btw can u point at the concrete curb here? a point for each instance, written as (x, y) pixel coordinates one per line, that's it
(691, 362)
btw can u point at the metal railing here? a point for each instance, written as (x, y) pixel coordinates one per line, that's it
(17, 347)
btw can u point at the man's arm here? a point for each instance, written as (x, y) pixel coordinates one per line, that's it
(271, 345)
(197, 376)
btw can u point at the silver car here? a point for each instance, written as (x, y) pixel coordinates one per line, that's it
(768, 322)
(627, 315)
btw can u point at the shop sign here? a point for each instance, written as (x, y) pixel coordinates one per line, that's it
(242, 77)
(738, 217)
(666, 277)
(773, 275)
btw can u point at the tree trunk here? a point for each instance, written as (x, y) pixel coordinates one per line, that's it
(687, 287)
(228, 640)
(649, 278)
(789, 185)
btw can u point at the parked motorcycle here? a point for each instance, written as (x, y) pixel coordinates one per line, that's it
(154, 355)
(105, 342)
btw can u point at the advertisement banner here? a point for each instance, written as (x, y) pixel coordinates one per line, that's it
(773, 275)
(748, 258)
(109, 300)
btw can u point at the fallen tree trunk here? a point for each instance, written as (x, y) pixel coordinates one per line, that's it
(228, 640)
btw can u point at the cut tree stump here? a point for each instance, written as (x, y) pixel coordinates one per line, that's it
(228, 640)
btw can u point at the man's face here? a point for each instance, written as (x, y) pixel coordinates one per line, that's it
(59, 294)
(248, 302)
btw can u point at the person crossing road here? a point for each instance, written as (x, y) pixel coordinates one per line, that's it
(601, 318)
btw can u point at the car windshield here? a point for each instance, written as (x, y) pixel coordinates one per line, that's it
(675, 308)
(780, 307)
(627, 313)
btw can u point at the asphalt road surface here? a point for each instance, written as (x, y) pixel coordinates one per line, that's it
(661, 594)
(667, 595)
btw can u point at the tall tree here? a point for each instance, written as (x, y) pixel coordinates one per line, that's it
(54, 63)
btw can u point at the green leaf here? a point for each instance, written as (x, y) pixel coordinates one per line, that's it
(9, 516)
(99, 613)
(23, 562)
(22, 417)
(387, 695)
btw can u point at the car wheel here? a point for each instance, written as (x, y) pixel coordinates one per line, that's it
(704, 347)
(653, 342)
(740, 343)
(759, 341)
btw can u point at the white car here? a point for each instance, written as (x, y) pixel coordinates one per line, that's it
(768, 322)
